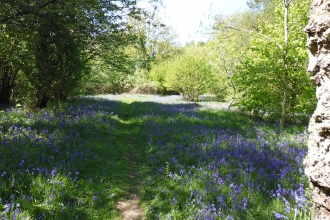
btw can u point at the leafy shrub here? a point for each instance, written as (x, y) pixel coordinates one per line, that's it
(189, 75)
(145, 88)
(218, 88)
(138, 78)
(158, 74)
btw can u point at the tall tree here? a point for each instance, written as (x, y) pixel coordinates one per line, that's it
(155, 41)
(317, 161)
(59, 58)
(272, 76)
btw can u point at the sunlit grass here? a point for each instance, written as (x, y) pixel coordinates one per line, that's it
(192, 162)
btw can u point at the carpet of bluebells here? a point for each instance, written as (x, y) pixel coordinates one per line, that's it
(55, 165)
(197, 161)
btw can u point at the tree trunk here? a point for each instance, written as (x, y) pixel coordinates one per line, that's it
(7, 82)
(43, 102)
(285, 62)
(292, 103)
(317, 161)
(5, 89)
(285, 99)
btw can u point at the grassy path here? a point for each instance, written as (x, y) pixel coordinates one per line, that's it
(128, 139)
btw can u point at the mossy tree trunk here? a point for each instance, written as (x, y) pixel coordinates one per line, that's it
(317, 161)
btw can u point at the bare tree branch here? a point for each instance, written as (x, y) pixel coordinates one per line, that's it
(259, 34)
(287, 3)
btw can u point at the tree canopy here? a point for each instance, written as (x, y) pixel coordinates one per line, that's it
(58, 39)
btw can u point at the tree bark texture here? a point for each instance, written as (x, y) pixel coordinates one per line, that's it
(317, 161)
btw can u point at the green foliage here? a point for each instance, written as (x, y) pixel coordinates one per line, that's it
(272, 66)
(266, 72)
(158, 74)
(140, 84)
(12, 57)
(145, 88)
(189, 74)
(59, 60)
(116, 82)
(154, 41)
(123, 62)
(57, 40)
(218, 88)
(106, 78)
(228, 48)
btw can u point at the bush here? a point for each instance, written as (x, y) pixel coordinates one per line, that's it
(218, 88)
(158, 74)
(189, 74)
(145, 88)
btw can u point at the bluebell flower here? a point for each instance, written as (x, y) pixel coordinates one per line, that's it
(3, 173)
(230, 217)
(52, 194)
(8, 207)
(280, 216)
(245, 203)
(42, 216)
(286, 205)
(174, 201)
